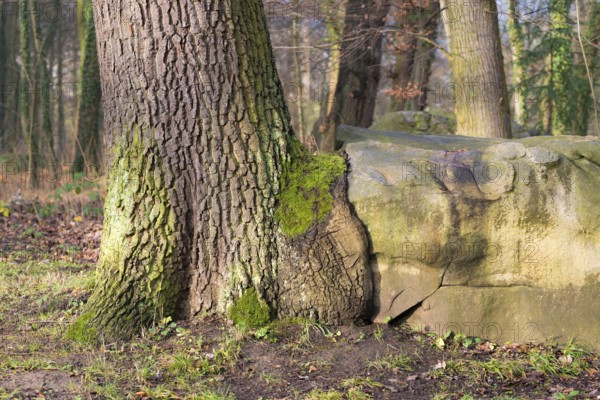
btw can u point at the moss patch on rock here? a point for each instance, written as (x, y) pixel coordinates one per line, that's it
(250, 311)
(305, 198)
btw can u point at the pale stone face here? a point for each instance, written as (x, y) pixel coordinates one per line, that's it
(489, 232)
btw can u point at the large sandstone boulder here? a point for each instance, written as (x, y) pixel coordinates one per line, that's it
(490, 237)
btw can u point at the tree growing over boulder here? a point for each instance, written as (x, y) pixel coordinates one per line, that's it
(211, 198)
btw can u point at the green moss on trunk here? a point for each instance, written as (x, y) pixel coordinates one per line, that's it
(81, 331)
(250, 311)
(305, 198)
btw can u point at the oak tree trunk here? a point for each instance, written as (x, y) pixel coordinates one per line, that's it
(480, 93)
(204, 173)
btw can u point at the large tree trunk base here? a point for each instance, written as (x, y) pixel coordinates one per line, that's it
(210, 192)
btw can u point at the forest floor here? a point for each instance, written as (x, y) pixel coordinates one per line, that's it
(47, 257)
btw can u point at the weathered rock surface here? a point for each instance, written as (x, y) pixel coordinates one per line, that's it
(422, 122)
(490, 237)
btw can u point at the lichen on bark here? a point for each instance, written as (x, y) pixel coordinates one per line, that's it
(135, 283)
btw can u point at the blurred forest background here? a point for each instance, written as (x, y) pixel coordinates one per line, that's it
(340, 62)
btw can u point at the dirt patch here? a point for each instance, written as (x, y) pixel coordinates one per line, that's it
(41, 384)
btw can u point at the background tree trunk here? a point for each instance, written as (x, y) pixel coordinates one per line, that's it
(200, 150)
(89, 143)
(519, 75)
(4, 57)
(27, 109)
(42, 90)
(415, 55)
(481, 96)
(9, 99)
(299, 88)
(402, 69)
(335, 32)
(562, 61)
(360, 70)
(306, 79)
(335, 27)
(591, 44)
(60, 117)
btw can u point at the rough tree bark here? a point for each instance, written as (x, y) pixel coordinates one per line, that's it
(480, 93)
(210, 194)
(359, 73)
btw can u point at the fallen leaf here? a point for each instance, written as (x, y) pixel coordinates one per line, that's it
(565, 359)
(441, 365)
(440, 344)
